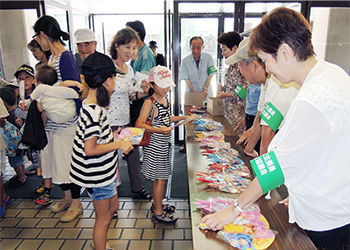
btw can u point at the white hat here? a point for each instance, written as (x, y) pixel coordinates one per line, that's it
(14, 82)
(242, 53)
(84, 35)
(161, 76)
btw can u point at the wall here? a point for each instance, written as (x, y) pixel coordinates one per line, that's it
(15, 33)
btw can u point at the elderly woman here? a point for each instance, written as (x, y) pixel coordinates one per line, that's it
(309, 151)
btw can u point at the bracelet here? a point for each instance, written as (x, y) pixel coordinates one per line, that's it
(235, 204)
(205, 88)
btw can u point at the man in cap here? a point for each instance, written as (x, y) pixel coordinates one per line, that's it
(159, 57)
(86, 44)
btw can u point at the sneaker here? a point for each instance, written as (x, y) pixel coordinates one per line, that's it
(60, 206)
(7, 201)
(40, 189)
(45, 199)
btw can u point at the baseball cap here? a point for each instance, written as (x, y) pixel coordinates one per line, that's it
(25, 68)
(84, 35)
(99, 64)
(161, 76)
(152, 44)
(242, 53)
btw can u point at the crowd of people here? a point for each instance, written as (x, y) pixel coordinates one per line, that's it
(87, 98)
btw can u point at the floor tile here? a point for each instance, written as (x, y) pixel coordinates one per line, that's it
(73, 244)
(86, 223)
(9, 244)
(173, 234)
(10, 222)
(45, 214)
(69, 233)
(27, 213)
(51, 245)
(123, 213)
(49, 233)
(125, 223)
(182, 205)
(29, 233)
(67, 224)
(144, 223)
(183, 223)
(114, 233)
(188, 234)
(138, 213)
(139, 244)
(28, 222)
(183, 245)
(161, 244)
(10, 232)
(86, 233)
(131, 234)
(29, 244)
(152, 234)
(119, 244)
(26, 204)
(12, 212)
(132, 205)
(47, 223)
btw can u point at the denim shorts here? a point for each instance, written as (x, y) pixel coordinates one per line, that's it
(16, 161)
(103, 193)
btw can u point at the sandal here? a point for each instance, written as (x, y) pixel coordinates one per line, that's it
(166, 208)
(7, 201)
(115, 215)
(164, 218)
(144, 194)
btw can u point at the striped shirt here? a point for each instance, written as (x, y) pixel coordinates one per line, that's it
(96, 170)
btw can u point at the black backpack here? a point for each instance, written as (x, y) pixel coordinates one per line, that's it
(34, 134)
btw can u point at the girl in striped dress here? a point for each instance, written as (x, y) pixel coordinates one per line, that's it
(95, 158)
(156, 164)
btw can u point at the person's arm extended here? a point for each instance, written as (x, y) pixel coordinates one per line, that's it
(254, 136)
(267, 135)
(91, 147)
(180, 118)
(219, 219)
(70, 83)
(54, 91)
(189, 84)
(141, 121)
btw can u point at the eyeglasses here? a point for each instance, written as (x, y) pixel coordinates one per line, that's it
(35, 35)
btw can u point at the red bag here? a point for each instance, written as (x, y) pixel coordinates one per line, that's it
(147, 135)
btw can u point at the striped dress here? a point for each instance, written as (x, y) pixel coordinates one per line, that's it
(156, 160)
(96, 170)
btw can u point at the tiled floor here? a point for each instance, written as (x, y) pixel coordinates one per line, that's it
(28, 227)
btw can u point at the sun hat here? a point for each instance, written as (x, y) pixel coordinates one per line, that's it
(242, 53)
(25, 68)
(84, 35)
(161, 76)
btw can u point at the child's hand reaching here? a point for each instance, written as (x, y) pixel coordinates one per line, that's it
(125, 146)
(19, 122)
(166, 130)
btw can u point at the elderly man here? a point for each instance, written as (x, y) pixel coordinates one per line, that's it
(197, 69)
(86, 44)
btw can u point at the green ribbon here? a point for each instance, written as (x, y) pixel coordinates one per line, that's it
(268, 171)
(241, 92)
(211, 70)
(272, 116)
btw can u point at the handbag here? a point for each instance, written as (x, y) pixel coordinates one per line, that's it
(34, 134)
(12, 136)
(147, 135)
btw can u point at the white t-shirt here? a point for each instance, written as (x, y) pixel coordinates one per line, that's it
(280, 95)
(313, 150)
(119, 108)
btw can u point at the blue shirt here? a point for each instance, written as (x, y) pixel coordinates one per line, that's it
(198, 76)
(145, 60)
(252, 99)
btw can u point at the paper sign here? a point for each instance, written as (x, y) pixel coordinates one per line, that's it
(211, 70)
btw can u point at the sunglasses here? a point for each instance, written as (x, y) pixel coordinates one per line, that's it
(35, 35)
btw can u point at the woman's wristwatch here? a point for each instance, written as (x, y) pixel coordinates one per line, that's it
(235, 204)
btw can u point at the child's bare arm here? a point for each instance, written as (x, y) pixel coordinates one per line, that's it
(92, 148)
